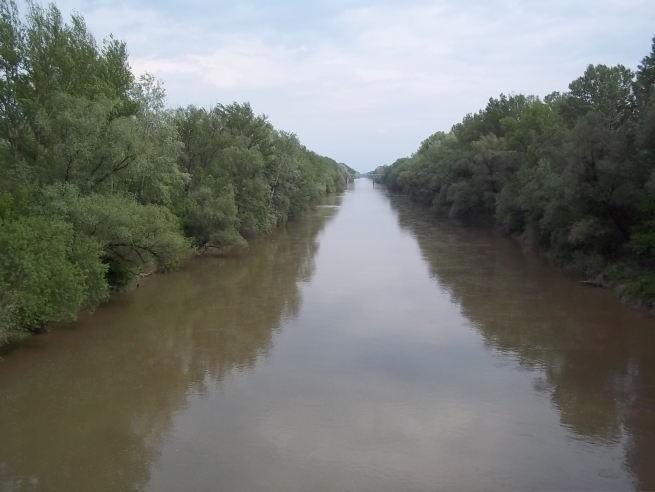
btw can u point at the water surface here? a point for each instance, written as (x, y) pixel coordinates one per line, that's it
(368, 347)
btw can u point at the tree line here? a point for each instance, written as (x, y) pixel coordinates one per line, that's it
(100, 181)
(572, 174)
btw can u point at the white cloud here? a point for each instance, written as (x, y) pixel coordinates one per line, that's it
(421, 64)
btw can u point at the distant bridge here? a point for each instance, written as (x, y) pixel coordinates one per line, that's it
(376, 177)
(368, 175)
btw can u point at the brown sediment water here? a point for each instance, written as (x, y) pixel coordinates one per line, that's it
(366, 347)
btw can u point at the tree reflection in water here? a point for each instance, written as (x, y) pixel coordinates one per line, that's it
(593, 357)
(79, 414)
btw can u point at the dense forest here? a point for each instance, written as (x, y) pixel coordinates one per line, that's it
(572, 174)
(100, 181)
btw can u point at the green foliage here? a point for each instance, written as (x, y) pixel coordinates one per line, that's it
(634, 283)
(100, 182)
(6, 205)
(211, 217)
(642, 241)
(47, 272)
(10, 327)
(134, 237)
(606, 91)
(644, 85)
(245, 177)
(572, 174)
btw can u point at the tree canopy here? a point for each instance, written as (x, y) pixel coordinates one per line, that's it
(100, 180)
(573, 174)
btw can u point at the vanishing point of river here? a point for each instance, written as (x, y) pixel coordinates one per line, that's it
(367, 347)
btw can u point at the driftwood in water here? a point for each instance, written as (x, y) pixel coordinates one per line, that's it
(592, 283)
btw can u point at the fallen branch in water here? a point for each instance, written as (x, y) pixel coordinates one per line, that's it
(591, 283)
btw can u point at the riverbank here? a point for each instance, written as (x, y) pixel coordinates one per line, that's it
(101, 181)
(572, 174)
(632, 284)
(11, 333)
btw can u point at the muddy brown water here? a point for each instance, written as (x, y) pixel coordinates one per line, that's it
(368, 347)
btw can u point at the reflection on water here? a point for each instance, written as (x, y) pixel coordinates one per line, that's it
(369, 347)
(89, 407)
(594, 358)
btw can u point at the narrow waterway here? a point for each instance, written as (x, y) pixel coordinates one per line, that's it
(367, 347)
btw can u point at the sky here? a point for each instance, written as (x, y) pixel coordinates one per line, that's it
(365, 81)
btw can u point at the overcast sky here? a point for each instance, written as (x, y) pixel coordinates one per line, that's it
(364, 81)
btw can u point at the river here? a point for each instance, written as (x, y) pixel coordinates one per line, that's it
(366, 347)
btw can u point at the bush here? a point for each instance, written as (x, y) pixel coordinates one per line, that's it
(47, 273)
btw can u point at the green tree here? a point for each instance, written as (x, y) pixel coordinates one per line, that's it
(606, 91)
(47, 273)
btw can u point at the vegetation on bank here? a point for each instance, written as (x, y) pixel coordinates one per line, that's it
(100, 182)
(572, 174)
